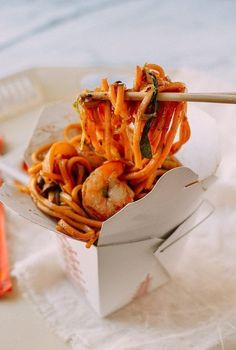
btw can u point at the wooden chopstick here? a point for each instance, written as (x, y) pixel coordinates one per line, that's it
(212, 97)
(5, 281)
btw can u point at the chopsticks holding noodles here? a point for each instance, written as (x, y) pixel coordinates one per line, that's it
(211, 97)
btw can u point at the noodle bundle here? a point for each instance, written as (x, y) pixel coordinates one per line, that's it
(112, 156)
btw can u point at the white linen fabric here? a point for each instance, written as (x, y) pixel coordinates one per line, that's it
(194, 310)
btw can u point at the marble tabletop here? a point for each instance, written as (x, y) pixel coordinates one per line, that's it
(191, 34)
(197, 35)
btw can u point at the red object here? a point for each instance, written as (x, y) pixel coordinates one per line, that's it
(5, 281)
(24, 166)
(2, 145)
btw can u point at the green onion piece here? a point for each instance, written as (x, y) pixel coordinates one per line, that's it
(150, 113)
(145, 146)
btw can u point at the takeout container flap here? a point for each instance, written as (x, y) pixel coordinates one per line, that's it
(174, 197)
(112, 276)
(53, 119)
(171, 250)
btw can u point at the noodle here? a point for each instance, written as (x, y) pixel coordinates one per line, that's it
(134, 137)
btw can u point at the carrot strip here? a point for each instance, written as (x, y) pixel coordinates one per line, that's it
(104, 85)
(112, 95)
(107, 136)
(119, 99)
(172, 87)
(138, 78)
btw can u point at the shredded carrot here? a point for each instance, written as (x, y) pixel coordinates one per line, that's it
(104, 85)
(107, 133)
(138, 78)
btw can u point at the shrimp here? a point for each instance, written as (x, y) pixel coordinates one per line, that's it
(103, 193)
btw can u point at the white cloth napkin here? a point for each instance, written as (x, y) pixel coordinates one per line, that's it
(194, 310)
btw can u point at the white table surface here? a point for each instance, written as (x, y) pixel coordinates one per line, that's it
(191, 34)
(23, 329)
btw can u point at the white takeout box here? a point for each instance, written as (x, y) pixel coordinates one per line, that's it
(140, 245)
